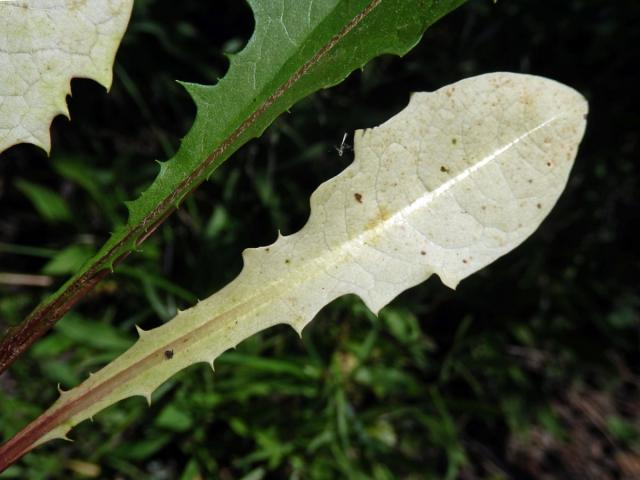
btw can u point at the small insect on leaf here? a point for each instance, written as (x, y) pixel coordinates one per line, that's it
(168, 354)
(344, 146)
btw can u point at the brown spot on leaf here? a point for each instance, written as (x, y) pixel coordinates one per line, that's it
(382, 215)
(76, 4)
(422, 252)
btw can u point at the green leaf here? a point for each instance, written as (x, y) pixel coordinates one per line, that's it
(402, 324)
(298, 47)
(623, 429)
(51, 206)
(68, 260)
(191, 471)
(98, 335)
(174, 419)
(144, 448)
(269, 365)
(91, 180)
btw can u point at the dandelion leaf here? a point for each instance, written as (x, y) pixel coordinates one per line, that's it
(43, 45)
(457, 179)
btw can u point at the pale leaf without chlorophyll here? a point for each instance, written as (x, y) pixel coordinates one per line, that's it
(298, 47)
(454, 181)
(43, 45)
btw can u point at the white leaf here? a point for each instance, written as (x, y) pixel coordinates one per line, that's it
(43, 45)
(457, 179)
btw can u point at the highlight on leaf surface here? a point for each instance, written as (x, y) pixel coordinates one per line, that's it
(457, 179)
(43, 45)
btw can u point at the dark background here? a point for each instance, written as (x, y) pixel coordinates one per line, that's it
(528, 371)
